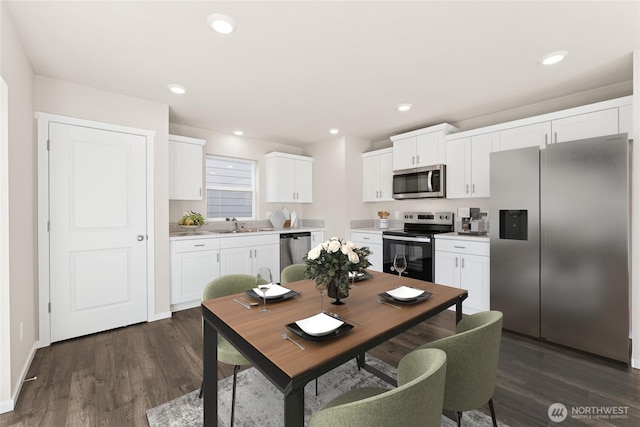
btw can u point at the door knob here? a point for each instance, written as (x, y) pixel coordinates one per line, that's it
(140, 237)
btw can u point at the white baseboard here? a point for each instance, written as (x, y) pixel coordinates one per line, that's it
(635, 363)
(159, 316)
(8, 406)
(185, 305)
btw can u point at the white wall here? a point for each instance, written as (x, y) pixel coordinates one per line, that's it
(68, 99)
(21, 286)
(635, 224)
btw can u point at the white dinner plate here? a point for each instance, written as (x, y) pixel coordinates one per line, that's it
(274, 291)
(404, 293)
(318, 325)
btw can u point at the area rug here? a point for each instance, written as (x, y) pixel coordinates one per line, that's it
(259, 403)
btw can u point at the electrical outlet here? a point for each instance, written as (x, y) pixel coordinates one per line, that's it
(397, 214)
(21, 330)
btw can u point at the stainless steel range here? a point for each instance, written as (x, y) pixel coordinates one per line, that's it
(416, 243)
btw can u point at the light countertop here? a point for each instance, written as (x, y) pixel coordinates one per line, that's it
(456, 236)
(181, 235)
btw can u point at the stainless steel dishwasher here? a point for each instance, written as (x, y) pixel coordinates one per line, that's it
(293, 247)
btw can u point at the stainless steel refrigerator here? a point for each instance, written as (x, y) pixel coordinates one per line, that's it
(560, 243)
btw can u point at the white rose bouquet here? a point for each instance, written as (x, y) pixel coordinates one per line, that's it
(330, 262)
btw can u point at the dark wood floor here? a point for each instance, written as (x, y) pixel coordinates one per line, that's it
(112, 378)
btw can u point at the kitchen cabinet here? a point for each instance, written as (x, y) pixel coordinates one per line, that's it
(572, 127)
(377, 176)
(468, 165)
(245, 254)
(289, 178)
(194, 263)
(374, 242)
(422, 147)
(465, 264)
(533, 135)
(185, 168)
(317, 237)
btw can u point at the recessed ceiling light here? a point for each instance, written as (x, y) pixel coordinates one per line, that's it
(404, 107)
(221, 23)
(334, 131)
(180, 90)
(553, 57)
(238, 132)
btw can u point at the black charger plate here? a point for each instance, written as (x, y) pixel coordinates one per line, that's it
(282, 297)
(415, 300)
(343, 329)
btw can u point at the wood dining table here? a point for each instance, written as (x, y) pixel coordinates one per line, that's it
(259, 336)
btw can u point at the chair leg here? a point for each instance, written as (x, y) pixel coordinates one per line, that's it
(236, 368)
(316, 387)
(201, 389)
(459, 417)
(493, 413)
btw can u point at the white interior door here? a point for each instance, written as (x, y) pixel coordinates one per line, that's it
(98, 234)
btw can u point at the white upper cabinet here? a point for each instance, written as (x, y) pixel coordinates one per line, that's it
(289, 178)
(422, 147)
(588, 125)
(535, 135)
(185, 168)
(468, 165)
(377, 175)
(590, 121)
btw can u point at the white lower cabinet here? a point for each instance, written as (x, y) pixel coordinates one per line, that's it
(465, 264)
(317, 237)
(194, 263)
(245, 254)
(374, 242)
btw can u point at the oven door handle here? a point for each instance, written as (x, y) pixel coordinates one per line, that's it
(408, 239)
(429, 183)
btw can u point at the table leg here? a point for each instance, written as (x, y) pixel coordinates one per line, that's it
(210, 375)
(458, 310)
(294, 408)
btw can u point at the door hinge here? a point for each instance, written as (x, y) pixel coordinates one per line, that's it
(49, 307)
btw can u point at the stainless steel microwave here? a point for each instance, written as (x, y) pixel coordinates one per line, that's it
(428, 182)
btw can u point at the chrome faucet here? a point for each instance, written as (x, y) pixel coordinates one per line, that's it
(235, 222)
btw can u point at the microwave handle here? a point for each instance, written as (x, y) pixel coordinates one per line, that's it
(429, 183)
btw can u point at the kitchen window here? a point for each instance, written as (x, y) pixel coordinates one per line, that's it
(230, 188)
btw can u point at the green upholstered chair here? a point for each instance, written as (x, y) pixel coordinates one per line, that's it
(293, 273)
(417, 401)
(220, 287)
(472, 362)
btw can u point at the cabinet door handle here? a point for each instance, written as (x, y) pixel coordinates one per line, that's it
(473, 188)
(466, 189)
(456, 262)
(218, 257)
(555, 137)
(200, 191)
(413, 160)
(381, 194)
(202, 244)
(546, 138)
(417, 160)
(255, 253)
(462, 262)
(250, 253)
(460, 247)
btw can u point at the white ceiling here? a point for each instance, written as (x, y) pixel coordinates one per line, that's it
(292, 70)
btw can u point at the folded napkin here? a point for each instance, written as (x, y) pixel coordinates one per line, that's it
(274, 291)
(320, 324)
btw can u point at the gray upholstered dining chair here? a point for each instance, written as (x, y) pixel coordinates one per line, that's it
(472, 362)
(417, 401)
(220, 287)
(293, 273)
